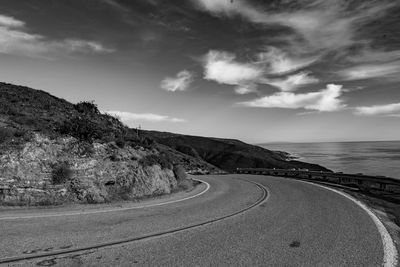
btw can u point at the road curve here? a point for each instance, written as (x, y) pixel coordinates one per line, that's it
(299, 225)
(28, 214)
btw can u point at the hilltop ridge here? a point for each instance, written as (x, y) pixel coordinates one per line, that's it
(229, 154)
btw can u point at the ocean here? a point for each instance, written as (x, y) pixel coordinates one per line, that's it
(373, 158)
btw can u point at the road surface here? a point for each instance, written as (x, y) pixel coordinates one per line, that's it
(230, 224)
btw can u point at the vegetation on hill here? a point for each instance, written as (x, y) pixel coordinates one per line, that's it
(229, 154)
(24, 111)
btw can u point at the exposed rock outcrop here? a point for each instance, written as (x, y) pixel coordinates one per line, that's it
(99, 173)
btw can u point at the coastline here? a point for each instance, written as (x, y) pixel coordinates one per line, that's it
(370, 158)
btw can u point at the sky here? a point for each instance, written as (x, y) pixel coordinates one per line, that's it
(259, 71)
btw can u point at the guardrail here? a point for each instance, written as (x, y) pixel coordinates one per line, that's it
(363, 182)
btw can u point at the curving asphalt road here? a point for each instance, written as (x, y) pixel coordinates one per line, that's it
(298, 224)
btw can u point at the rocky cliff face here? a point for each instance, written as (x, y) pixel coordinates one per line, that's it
(91, 173)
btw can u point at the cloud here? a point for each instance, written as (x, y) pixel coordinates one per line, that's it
(245, 89)
(393, 115)
(127, 117)
(226, 7)
(6, 21)
(322, 25)
(76, 45)
(387, 110)
(16, 40)
(369, 55)
(292, 82)
(368, 71)
(279, 62)
(179, 83)
(325, 100)
(114, 4)
(221, 67)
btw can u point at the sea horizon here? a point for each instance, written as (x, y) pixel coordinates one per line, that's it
(367, 157)
(312, 142)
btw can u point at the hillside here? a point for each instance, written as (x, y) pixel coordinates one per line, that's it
(229, 154)
(52, 151)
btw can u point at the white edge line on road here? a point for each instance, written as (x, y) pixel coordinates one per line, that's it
(389, 248)
(109, 210)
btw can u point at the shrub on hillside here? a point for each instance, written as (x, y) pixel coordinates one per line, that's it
(120, 142)
(149, 160)
(87, 107)
(21, 133)
(5, 134)
(27, 121)
(180, 173)
(133, 139)
(188, 150)
(82, 128)
(61, 172)
(152, 159)
(114, 157)
(396, 212)
(182, 179)
(147, 142)
(86, 149)
(9, 109)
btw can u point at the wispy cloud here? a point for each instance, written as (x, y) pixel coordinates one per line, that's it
(387, 110)
(245, 89)
(322, 25)
(368, 71)
(116, 5)
(179, 83)
(368, 55)
(324, 100)
(394, 115)
(16, 39)
(292, 82)
(129, 117)
(78, 45)
(279, 62)
(6, 21)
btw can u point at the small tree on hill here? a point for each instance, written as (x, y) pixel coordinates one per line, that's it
(82, 128)
(87, 107)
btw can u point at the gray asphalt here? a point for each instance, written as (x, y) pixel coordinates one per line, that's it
(299, 224)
